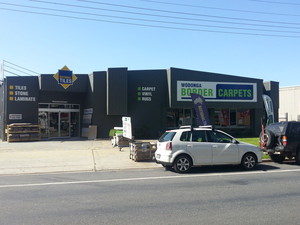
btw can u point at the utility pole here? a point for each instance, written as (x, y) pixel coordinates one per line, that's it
(3, 102)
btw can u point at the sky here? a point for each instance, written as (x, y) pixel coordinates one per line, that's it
(248, 38)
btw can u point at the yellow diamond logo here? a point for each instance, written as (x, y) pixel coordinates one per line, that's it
(65, 77)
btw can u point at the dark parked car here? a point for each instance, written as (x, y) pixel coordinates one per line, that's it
(282, 140)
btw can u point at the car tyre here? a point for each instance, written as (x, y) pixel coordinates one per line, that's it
(182, 164)
(277, 158)
(248, 161)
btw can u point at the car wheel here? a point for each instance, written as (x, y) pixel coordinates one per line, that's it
(277, 158)
(183, 164)
(248, 161)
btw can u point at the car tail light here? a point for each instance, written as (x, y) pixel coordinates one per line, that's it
(284, 141)
(169, 146)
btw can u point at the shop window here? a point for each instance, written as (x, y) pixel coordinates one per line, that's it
(180, 117)
(186, 117)
(222, 117)
(243, 118)
(232, 118)
(172, 118)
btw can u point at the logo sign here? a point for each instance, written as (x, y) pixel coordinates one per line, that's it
(201, 110)
(65, 77)
(217, 91)
(269, 108)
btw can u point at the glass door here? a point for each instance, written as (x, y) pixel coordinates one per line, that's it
(59, 120)
(64, 124)
(54, 124)
(59, 124)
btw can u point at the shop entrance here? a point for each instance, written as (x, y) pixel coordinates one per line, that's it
(59, 124)
(59, 121)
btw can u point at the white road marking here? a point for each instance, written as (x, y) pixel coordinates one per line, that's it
(147, 178)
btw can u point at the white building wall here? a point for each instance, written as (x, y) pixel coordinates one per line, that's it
(289, 102)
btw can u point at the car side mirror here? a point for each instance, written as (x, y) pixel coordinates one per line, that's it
(234, 141)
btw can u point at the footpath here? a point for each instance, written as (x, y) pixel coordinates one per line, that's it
(65, 155)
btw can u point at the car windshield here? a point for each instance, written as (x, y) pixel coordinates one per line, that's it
(168, 136)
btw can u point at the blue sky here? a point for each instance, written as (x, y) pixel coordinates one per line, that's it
(250, 38)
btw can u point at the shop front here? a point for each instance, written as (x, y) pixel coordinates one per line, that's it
(234, 103)
(64, 105)
(44, 102)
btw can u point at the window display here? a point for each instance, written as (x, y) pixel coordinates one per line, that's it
(232, 118)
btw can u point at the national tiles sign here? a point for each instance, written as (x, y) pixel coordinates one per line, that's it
(217, 91)
(65, 77)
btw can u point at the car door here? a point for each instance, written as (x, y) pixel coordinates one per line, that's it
(199, 148)
(224, 151)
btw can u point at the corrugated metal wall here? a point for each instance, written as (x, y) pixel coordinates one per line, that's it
(289, 102)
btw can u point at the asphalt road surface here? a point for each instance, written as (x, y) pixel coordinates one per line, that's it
(208, 195)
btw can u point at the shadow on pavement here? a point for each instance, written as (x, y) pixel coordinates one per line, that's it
(230, 168)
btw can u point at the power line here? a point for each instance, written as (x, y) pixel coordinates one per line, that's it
(183, 13)
(144, 25)
(155, 15)
(153, 26)
(7, 71)
(21, 71)
(163, 16)
(277, 2)
(222, 9)
(156, 21)
(23, 68)
(17, 70)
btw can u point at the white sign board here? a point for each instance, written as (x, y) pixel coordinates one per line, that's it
(15, 116)
(127, 127)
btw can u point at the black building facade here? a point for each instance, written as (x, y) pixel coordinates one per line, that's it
(65, 104)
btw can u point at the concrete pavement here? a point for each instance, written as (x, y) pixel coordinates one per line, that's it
(65, 155)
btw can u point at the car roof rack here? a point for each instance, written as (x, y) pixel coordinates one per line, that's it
(185, 127)
(207, 126)
(191, 127)
(212, 127)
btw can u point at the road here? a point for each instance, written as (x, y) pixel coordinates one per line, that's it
(208, 195)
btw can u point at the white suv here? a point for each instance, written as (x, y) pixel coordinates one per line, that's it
(187, 147)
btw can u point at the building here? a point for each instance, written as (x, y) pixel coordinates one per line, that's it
(289, 107)
(65, 104)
